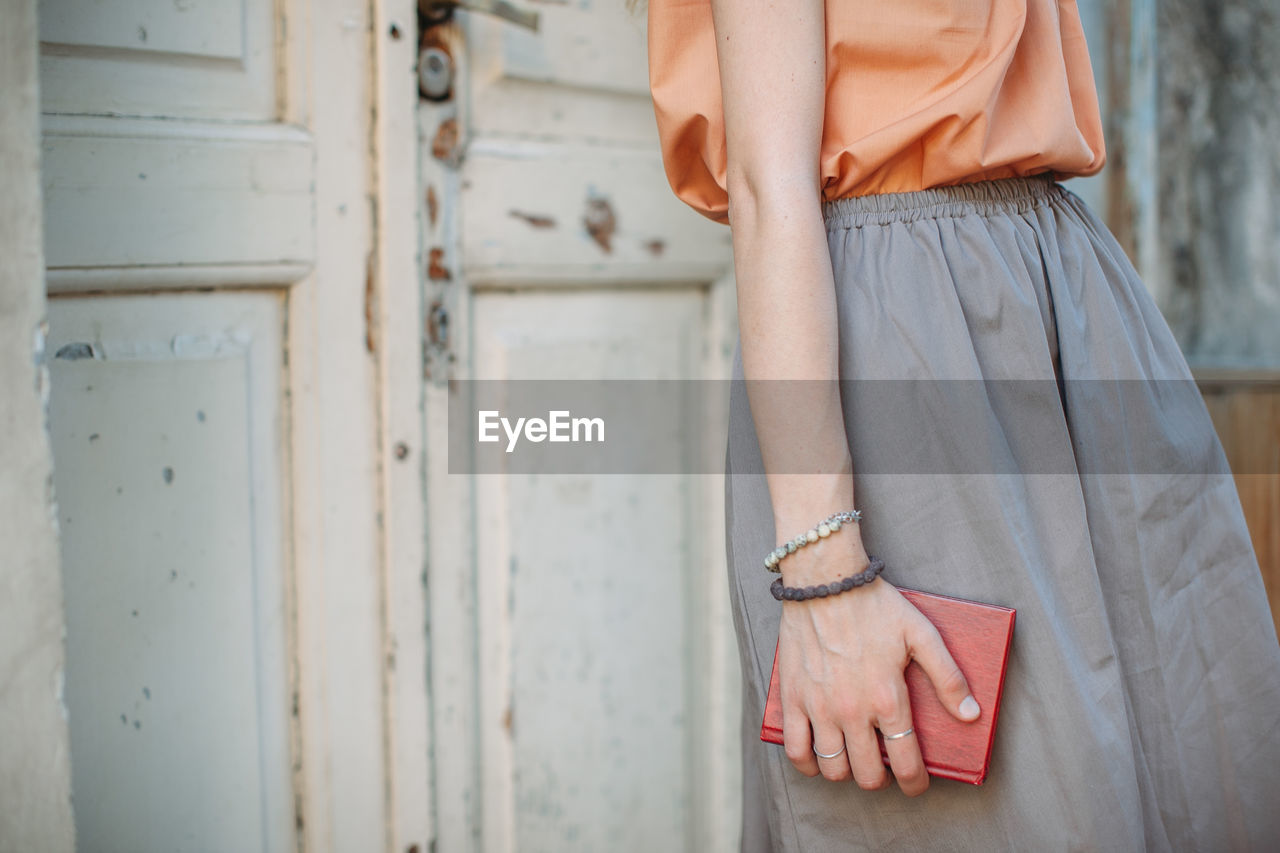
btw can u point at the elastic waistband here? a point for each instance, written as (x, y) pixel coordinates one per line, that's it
(982, 197)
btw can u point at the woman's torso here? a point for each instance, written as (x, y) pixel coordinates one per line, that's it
(920, 93)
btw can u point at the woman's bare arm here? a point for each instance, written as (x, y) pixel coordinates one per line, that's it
(773, 76)
(841, 658)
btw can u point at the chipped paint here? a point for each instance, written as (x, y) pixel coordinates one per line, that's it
(600, 222)
(444, 146)
(436, 339)
(231, 342)
(74, 351)
(209, 346)
(436, 270)
(537, 220)
(438, 325)
(433, 205)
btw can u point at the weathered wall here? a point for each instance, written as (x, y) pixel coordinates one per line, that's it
(35, 799)
(1219, 172)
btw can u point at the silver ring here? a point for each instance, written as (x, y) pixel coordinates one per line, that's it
(899, 734)
(832, 755)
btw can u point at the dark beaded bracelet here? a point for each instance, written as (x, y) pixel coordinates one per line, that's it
(824, 590)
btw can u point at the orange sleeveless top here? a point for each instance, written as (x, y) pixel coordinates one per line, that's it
(920, 93)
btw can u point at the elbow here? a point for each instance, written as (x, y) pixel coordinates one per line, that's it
(756, 194)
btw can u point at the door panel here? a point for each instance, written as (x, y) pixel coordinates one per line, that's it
(137, 203)
(585, 589)
(171, 58)
(166, 422)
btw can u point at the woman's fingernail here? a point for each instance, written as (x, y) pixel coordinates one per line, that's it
(969, 707)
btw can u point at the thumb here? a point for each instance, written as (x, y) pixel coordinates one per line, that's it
(948, 681)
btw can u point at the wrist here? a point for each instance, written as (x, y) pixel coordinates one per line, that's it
(832, 588)
(839, 555)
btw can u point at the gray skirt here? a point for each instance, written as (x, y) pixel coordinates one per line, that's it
(1141, 708)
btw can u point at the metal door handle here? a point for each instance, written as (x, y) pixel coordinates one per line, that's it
(439, 11)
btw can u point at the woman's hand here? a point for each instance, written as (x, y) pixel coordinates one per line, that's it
(841, 661)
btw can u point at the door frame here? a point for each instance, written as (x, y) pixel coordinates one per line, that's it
(362, 742)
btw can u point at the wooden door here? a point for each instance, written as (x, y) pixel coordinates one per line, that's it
(583, 675)
(216, 347)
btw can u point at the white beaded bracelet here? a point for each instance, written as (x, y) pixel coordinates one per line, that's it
(825, 528)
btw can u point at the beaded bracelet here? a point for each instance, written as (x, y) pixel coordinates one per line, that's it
(804, 593)
(824, 529)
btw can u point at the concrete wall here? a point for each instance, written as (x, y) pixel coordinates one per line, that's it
(1219, 174)
(35, 782)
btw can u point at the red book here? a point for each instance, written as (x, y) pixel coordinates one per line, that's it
(978, 636)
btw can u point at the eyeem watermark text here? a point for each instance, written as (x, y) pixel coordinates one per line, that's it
(558, 426)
